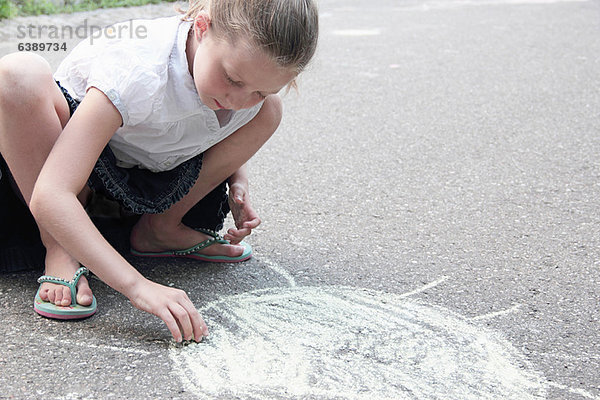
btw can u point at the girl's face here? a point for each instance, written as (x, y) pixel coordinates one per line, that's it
(233, 76)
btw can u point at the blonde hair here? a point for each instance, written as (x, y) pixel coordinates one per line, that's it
(286, 30)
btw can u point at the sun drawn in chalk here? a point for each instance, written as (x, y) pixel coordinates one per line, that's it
(348, 343)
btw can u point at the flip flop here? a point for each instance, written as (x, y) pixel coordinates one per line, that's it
(192, 252)
(74, 311)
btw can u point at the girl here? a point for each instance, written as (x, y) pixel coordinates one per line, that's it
(182, 109)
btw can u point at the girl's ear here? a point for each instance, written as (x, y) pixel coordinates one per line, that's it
(201, 24)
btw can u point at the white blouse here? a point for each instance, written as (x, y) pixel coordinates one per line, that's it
(147, 78)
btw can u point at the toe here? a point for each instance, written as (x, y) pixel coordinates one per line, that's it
(66, 296)
(235, 251)
(84, 293)
(44, 293)
(50, 295)
(57, 293)
(85, 299)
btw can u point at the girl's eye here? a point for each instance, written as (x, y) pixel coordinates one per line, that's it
(262, 96)
(232, 82)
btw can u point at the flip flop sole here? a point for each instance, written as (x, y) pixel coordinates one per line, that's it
(53, 311)
(247, 254)
(219, 259)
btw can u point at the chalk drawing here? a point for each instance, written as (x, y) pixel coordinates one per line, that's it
(497, 313)
(118, 349)
(579, 392)
(347, 343)
(424, 288)
(281, 271)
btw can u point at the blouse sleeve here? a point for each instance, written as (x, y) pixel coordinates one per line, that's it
(129, 80)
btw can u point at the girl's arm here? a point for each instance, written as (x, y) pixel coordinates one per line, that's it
(55, 207)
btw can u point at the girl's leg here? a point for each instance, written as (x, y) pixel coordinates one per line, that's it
(162, 232)
(33, 112)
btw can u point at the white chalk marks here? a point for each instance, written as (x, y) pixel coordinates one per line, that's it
(340, 342)
(497, 313)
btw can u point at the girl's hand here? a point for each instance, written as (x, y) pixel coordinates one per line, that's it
(244, 215)
(172, 306)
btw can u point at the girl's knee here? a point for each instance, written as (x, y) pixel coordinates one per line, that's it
(27, 87)
(268, 118)
(272, 112)
(23, 75)
(24, 63)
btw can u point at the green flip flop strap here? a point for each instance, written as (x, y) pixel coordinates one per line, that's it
(72, 284)
(199, 246)
(216, 238)
(209, 232)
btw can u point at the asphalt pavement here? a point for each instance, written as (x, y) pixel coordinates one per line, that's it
(435, 182)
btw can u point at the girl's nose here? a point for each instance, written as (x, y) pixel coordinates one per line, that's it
(239, 98)
(235, 102)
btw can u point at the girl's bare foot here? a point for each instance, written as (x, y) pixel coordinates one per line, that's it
(59, 264)
(149, 236)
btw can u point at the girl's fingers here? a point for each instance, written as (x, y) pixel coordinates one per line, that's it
(173, 307)
(183, 320)
(198, 325)
(168, 319)
(236, 235)
(232, 240)
(252, 224)
(237, 193)
(243, 232)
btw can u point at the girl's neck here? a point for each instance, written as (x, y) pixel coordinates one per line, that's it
(190, 49)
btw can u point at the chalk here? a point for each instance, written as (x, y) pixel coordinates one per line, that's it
(341, 342)
(580, 392)
(281, 271)
(497, 313)
(426, 287)
(85, 343)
